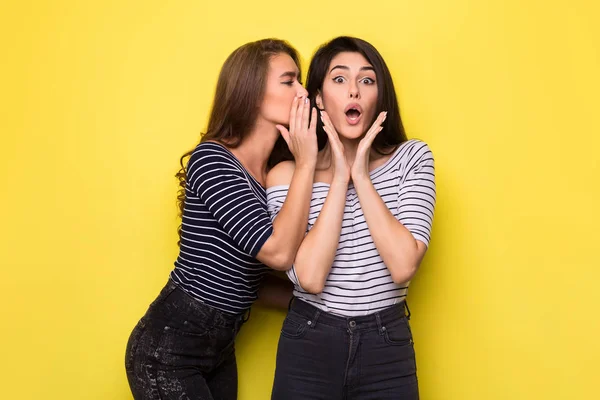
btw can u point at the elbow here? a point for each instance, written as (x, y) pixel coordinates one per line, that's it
(312, 285)
(402, 275)
(276, 257)
(281, 263)
(402, 270)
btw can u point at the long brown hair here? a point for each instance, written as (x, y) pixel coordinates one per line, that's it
(238, 96)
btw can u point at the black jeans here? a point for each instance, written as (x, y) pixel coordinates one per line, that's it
(323, 356)
(183, 349)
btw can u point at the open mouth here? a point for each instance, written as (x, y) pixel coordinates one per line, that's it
(353, 113)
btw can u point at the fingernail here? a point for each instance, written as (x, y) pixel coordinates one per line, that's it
(306, 100)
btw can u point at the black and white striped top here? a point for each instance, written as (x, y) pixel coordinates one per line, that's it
(225, 223)
(359, 282)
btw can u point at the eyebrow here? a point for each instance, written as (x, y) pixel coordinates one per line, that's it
(344, 67)
(289, 74)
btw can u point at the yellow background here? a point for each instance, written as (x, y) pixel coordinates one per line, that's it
(99, 100)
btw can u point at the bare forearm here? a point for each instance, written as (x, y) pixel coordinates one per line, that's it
(317, 251)
(289, 227)
(290, 224)
(397, 247)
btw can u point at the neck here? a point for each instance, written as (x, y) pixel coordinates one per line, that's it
(255, 149)
(350, 148)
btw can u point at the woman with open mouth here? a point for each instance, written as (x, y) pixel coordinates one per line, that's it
(347, 335)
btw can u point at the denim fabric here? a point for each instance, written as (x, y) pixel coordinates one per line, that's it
(183, 349)
(324, 356)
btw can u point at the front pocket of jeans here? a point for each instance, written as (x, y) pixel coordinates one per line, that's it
(396, 342)
(398, 334)
(293, 329)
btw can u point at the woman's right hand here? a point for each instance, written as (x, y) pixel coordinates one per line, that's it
(301, 137)
(341, 169)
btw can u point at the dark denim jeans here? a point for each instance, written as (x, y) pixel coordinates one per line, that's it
(323, 356)
(183, 349)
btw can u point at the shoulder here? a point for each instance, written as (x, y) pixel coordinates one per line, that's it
(413, 151)
(414, 146)
(281, 174)
(211, 148)
(211, 154)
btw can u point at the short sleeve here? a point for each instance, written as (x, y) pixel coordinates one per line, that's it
(416, 192)
(221, 183)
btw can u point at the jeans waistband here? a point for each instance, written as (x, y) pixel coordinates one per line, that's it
(364, 322)
(172, 296)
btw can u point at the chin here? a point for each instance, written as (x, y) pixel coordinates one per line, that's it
(284, 122)
(353, 132)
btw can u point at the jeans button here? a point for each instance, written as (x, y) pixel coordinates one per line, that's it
(352, 324)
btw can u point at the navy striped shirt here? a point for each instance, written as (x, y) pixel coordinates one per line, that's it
(359, 283)
(225, 223)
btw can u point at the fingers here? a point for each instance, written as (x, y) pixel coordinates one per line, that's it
(284, 133)
(299, 114)
(332, 135)
(312, 128)
(326, 125)
(329, 135)
(367, 141)
(329, 125)
(293, 112)
(305, 114)
(374, 130)
(376, 127)
(326, 121)
(301, 137)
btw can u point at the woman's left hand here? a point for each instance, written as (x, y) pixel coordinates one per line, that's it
(360, 167)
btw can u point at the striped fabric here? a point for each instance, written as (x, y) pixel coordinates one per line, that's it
(225, 223)
(359, 282)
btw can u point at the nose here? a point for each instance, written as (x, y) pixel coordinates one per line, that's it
(301, 91)
(353, 92)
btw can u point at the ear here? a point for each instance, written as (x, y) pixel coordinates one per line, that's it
(319, 101)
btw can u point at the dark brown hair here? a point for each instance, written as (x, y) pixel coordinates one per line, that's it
(393, 131)
(238, 96)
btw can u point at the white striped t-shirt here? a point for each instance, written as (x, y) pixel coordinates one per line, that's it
(359, 282)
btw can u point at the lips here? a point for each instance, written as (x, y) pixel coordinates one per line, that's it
(353, 113)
